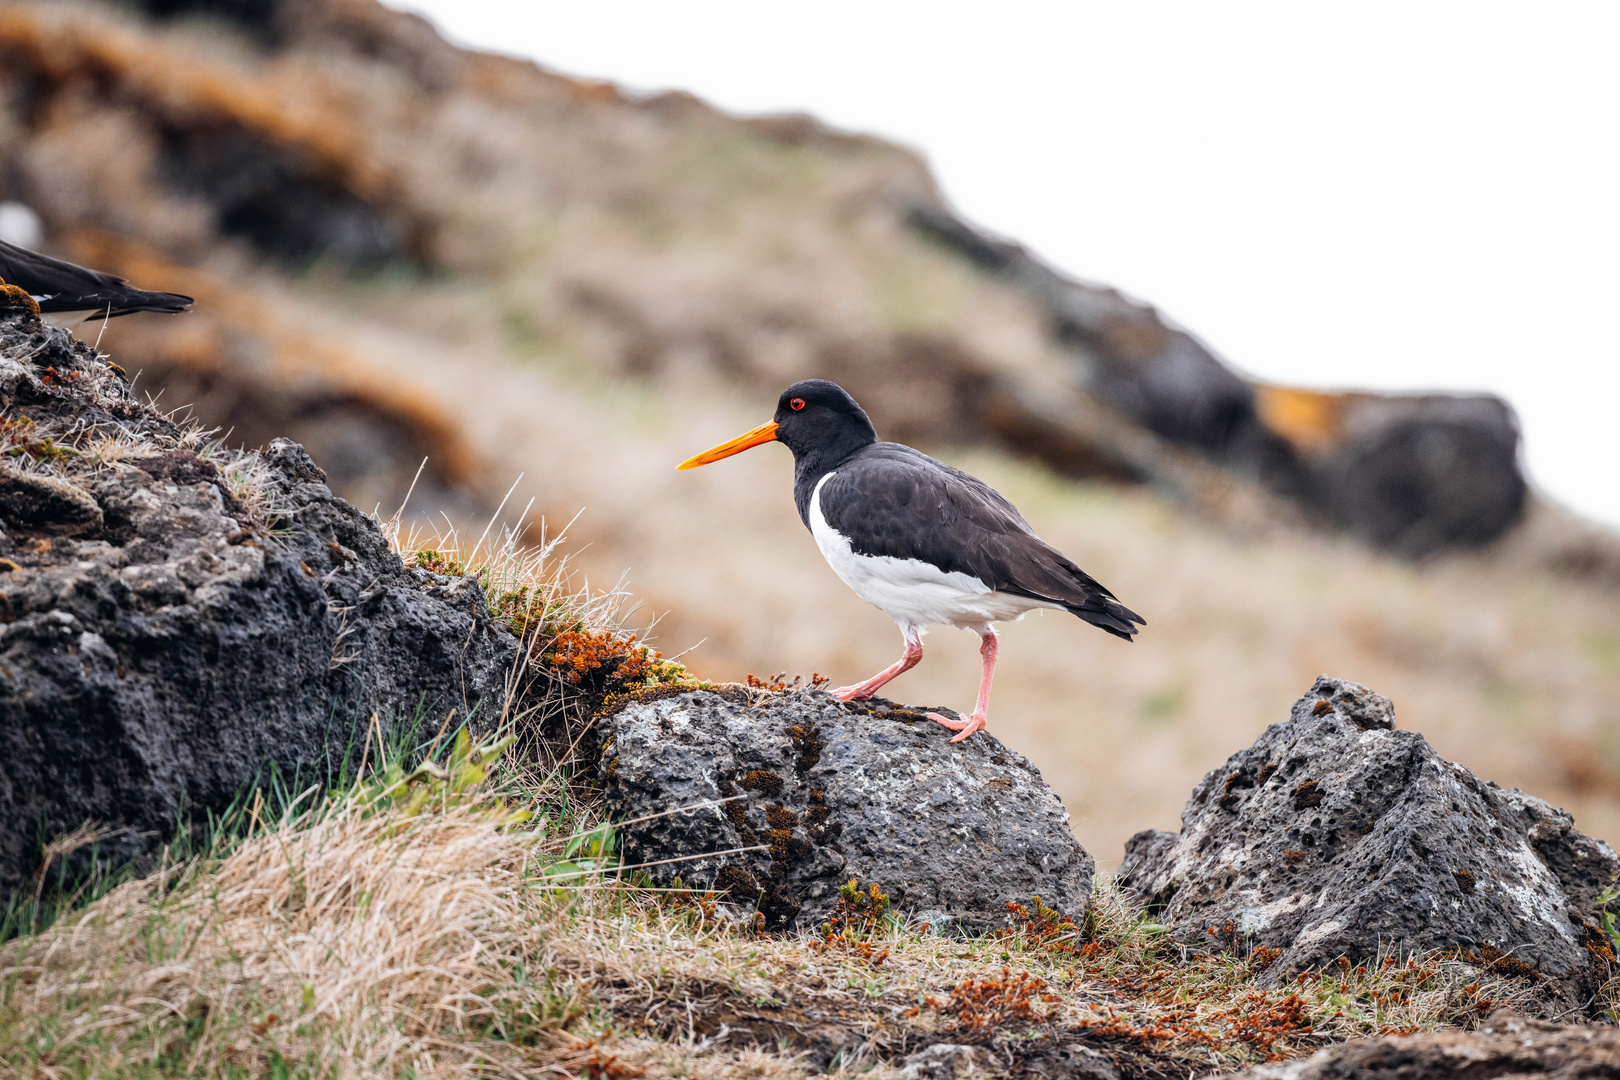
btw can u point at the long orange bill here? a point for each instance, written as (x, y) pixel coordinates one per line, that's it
(763, 434)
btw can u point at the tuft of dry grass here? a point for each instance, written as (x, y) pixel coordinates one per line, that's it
(580, 649)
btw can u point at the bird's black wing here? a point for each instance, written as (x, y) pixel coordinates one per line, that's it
(892, 500)
(58, 285)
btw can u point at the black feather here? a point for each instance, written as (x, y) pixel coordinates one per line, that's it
(892, 500)
(61, 286)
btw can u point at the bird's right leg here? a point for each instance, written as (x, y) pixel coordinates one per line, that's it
(864, 690)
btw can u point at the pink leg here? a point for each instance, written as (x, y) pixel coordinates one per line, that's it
(862, 691)
(968, 726)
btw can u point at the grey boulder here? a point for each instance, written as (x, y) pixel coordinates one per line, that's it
(835, 791)
(162, 645)
(1336, 835)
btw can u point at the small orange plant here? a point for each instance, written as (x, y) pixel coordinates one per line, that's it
(854, 919)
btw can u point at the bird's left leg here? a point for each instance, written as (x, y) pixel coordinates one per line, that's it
(968, 725)
(864, 690)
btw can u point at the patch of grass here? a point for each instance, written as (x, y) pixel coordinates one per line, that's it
(456, 912)
(579, 654)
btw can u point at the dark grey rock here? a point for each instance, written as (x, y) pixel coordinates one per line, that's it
(1507, 1046)
(159, 659)
(47, 503)
(863, 790)
(1337, 835)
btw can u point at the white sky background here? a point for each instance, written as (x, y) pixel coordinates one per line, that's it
(1380, 195)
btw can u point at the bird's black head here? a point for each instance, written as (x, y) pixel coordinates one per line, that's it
(816, 420)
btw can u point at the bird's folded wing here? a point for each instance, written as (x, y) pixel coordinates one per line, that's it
(891, 500)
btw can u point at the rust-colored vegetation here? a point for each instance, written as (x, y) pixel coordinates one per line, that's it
(981, 1006)
(779, 684)
(853, 924)
(19, 436)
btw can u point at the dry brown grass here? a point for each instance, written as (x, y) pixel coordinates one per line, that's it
(363, 937)
(419, 926)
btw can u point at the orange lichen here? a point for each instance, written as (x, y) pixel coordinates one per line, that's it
(579, 654)
(761, 780)
(1310, 419)
(16, 296)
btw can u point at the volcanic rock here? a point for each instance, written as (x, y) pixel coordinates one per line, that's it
(1335, 835)
(172, 623)
(870, 791)
(1507, 1046)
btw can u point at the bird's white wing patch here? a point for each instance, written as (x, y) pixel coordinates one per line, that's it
(913, 593)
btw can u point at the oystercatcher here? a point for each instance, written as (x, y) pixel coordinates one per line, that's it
(923, 542)
(61, 287)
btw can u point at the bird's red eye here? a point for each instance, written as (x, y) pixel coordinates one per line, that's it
(796, 404)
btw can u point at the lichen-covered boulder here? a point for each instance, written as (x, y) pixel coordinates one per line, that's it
(169, 630)
(834, 791)
(1337, 835)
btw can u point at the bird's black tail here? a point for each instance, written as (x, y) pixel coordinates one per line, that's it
(1099, 607)
(128, 301)
(61, 287)
(1106, 613)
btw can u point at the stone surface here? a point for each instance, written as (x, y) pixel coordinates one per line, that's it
(158, 654)
(865, 790)
(1507, 1046)
(1337, 835)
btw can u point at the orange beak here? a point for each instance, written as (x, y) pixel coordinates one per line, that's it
(763, 434)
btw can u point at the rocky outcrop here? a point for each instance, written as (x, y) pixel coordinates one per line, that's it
(1337, 835)
(1507, 1046)
(834, 791)
(1413, 473)
(176, 619)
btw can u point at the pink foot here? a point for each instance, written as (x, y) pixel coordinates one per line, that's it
(862, 690)
(966, 726)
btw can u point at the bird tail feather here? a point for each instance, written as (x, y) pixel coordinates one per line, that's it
(1106, 613)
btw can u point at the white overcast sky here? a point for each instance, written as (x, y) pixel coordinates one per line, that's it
(1383, 195)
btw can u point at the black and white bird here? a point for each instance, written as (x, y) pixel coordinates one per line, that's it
(923, 542)
(64, 289)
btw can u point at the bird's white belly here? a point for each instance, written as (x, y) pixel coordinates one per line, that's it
(914, 593)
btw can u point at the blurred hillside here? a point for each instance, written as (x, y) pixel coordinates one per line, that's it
(403, 250)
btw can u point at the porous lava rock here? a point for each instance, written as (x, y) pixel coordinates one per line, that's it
(865, 790)
(162, 642)
(1336, 835)
(1507, 1046)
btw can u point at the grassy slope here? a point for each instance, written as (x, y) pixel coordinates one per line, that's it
(626, 282)
(457, 910)
(415, 927)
